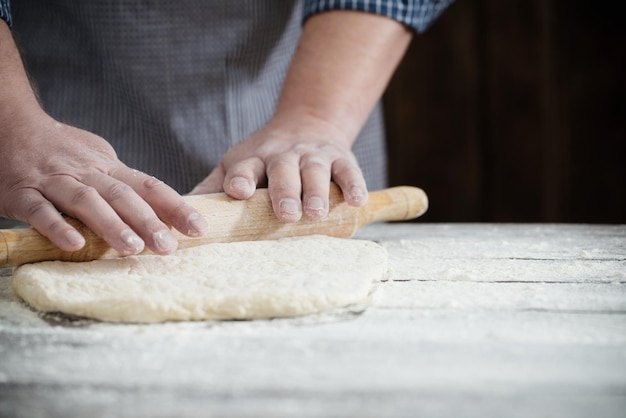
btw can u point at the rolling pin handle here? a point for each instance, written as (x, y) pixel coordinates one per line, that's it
(4, 250)
(400, 203)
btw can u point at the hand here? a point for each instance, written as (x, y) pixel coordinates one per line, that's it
(46, 166)
(342, 64)
(297, 162)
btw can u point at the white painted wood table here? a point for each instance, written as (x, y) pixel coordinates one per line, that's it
(476, 320)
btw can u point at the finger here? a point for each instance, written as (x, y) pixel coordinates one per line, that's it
(285, 187)
(32, 208)
(165, 202)
(213, 183)
(315, 172)
(242, 178)
(135, 212)
(86, 204)
(348, 176)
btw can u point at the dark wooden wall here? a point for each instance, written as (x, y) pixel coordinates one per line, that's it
(514, 111)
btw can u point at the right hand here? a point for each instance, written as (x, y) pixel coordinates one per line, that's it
(47, 167)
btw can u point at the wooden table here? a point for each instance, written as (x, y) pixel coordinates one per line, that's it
(476, 320)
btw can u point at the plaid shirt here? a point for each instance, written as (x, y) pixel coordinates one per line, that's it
(417, 14)
(5, 11)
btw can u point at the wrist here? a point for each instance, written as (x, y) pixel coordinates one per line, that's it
(298, 120)
(18, 116)
(18, 104)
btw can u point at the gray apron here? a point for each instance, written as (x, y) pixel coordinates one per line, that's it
(170, 84)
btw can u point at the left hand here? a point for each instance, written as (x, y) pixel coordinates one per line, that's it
(297, 160)
(339, 71)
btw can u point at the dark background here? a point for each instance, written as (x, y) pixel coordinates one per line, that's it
(514, 111)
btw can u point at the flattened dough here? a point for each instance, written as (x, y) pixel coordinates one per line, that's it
(243, 280)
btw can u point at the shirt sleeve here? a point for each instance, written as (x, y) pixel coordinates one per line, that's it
(417, 14)
(5, 11)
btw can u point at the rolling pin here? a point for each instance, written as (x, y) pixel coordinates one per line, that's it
(230, 220)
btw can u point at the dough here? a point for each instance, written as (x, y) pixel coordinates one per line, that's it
(243, 280)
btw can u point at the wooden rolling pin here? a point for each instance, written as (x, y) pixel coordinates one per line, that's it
(230, 220)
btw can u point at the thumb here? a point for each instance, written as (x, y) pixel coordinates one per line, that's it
(213, 183)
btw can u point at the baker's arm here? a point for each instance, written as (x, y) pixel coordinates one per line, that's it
(343, 63)
(47, 167)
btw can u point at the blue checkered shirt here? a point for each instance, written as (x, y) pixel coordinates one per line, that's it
(417, 14)
(5, 11)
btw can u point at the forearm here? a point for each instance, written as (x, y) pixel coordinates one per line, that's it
(17, 99)
(47, 167)
(342, 65)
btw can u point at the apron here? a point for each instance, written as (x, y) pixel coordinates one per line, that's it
(170, 84)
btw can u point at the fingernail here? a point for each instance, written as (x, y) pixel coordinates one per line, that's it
(358, 195)
(165, 241)
(74, 238)
(315, 204)
(289, 207)
(198, 224)
(241, 184)
(132, 242)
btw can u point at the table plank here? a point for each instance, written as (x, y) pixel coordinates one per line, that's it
(552, 297)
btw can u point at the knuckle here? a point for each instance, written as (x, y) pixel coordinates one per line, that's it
(280, 164)
(245, 167)
(33, 207)
(178, 212)
(343, 165)
(238, 171)
(285, 188)
(152, 182)
(345, 161)
(153, 188)
(311, 162)
(117, 191)
(84, 193)
(301, 149)
(56, 226)
(20, 204)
